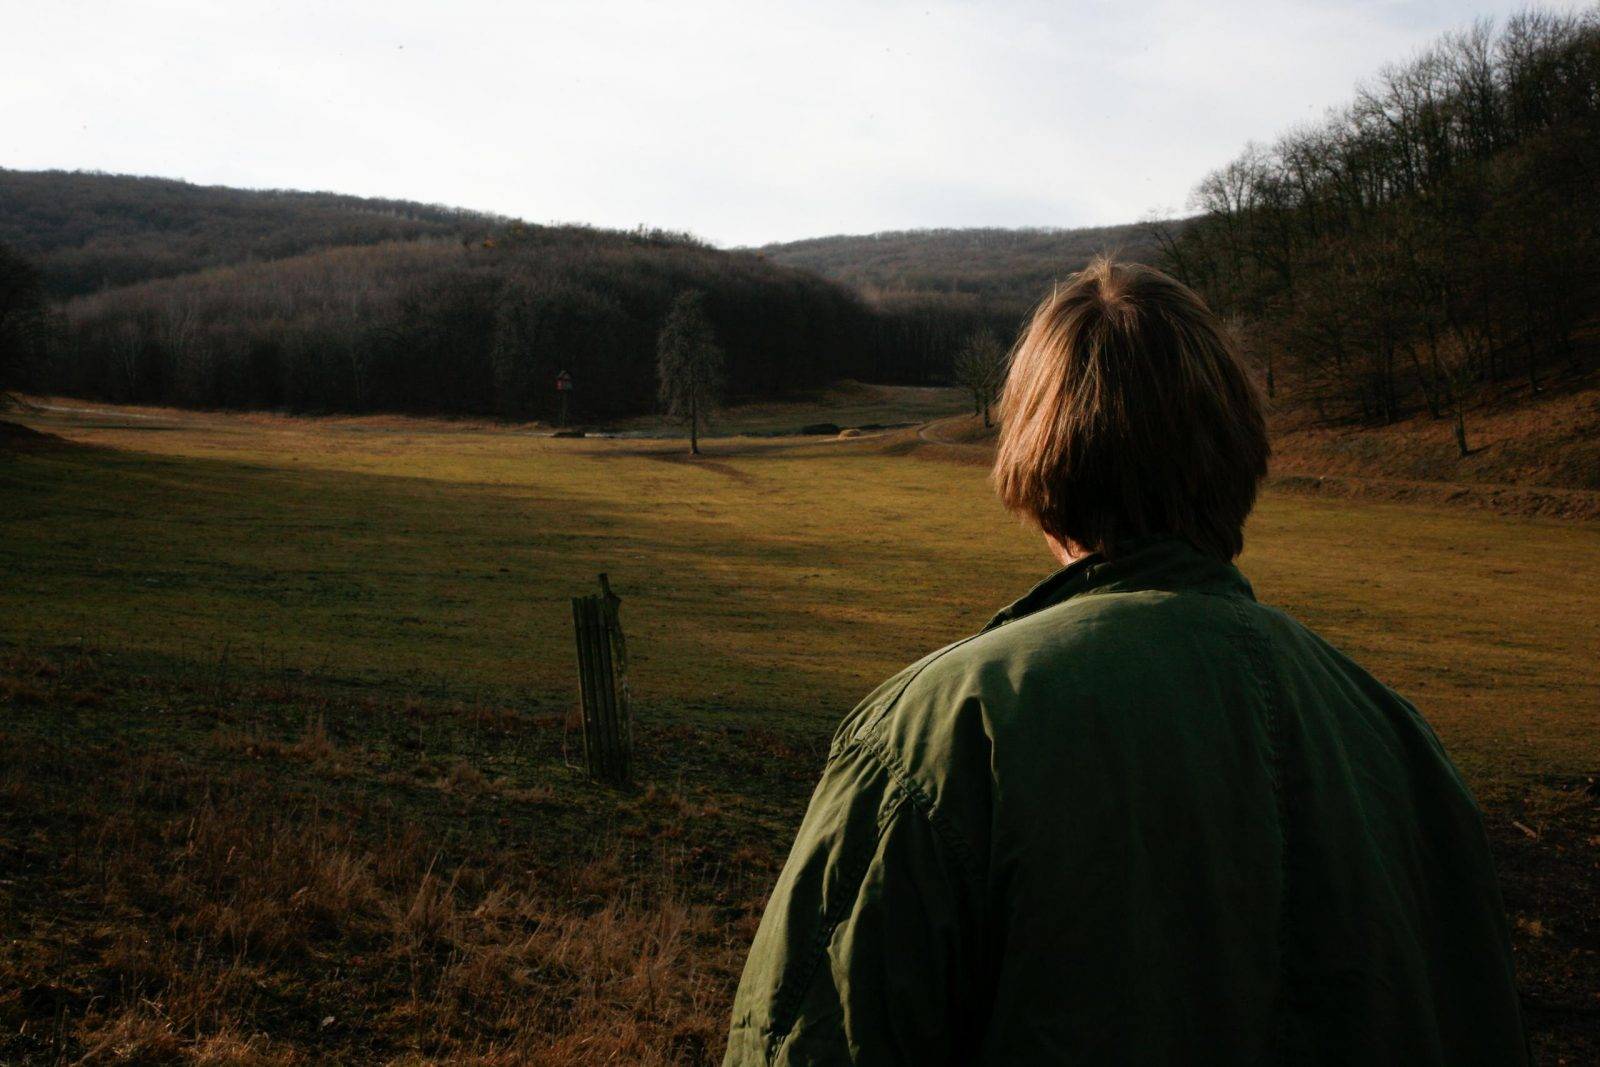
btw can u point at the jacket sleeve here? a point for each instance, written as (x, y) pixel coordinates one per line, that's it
(864, 954)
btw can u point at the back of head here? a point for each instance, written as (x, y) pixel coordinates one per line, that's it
(1126, 412)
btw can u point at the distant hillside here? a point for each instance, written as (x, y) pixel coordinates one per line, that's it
(480, 327)
(90, 231)
(1006, 269)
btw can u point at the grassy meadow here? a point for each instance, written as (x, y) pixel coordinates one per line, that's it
(288, 761)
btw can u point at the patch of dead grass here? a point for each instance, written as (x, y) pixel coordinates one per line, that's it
(176, 913)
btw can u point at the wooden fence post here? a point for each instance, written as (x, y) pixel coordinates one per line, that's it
(603, 686)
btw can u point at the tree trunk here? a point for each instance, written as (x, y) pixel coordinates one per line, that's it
(1461, 433)
(694, 427)
(1425, 383)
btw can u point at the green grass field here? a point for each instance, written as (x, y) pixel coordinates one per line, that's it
(287, 704)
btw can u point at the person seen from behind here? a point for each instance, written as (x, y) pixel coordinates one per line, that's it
(1140, 817)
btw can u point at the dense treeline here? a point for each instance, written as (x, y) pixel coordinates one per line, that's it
(186, 294)
(23, 319)
(1006, 271)
(926, 332)
(89, 231)
(1437, 235)
(445, 327)
(936, 290)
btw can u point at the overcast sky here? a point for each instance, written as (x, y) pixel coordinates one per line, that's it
(743, 122)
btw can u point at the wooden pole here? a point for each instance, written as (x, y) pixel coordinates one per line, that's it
(586, 694)
(619, 657)
(603, 686)
(606, 707)
(604, 721)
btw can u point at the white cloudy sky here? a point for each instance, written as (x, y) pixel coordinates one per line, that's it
(742, 121)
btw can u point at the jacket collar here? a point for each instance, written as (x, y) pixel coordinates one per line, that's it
(1155, 562)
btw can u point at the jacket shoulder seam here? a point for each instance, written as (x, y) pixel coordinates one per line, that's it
(966, 856)
(889, 704)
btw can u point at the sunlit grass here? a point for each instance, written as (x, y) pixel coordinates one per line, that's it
(774, 579)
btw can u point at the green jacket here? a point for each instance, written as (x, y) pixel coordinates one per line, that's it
(1139, 818)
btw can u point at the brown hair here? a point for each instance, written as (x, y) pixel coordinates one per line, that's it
(1126, 412)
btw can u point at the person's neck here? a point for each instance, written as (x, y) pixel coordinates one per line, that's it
(1065, 550)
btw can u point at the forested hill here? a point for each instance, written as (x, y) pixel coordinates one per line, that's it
(1431, 245)
(167, 292)
(89, 231)
(158, 291)
(463, 327)
(1008, 269)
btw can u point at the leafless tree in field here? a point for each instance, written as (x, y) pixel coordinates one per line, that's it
(980, 368)
(690, 365)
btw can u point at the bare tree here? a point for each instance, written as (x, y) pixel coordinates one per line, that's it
(980, 368)
(689, 365)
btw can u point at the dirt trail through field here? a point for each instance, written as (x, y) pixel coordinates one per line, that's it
(928, 431)
(965, 449)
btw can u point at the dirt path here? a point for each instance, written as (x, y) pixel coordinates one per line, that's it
(929, 432)
(932, 432)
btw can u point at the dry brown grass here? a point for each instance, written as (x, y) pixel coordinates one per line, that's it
(1548, 440)
(1535, 457)
(197, 907)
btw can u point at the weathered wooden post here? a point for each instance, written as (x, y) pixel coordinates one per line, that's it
(603, 686)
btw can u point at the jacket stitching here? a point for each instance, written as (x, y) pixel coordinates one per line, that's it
(786, 1006)
(943, 828)
(1267, 683)
(889, 704)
